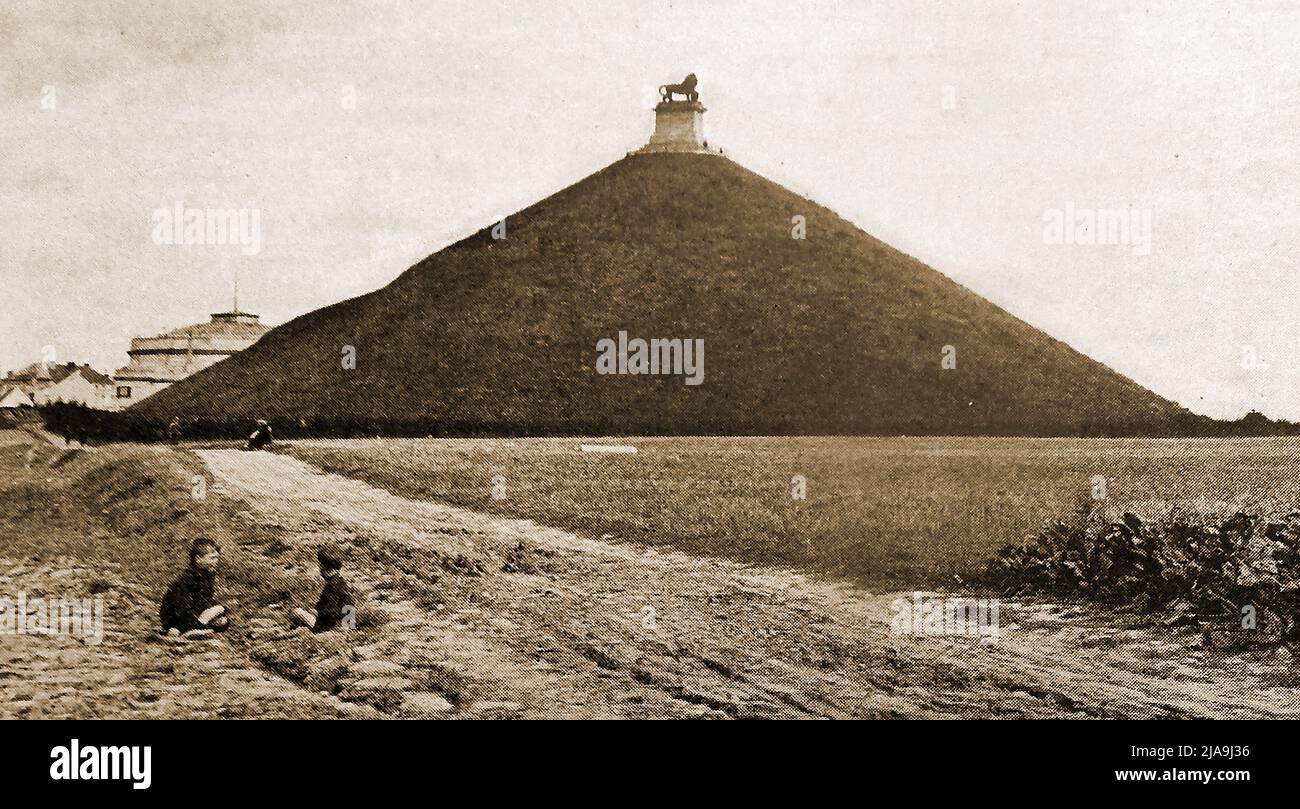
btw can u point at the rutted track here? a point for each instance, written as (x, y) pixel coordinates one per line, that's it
(549, 624)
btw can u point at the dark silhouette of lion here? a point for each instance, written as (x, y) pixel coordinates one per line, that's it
(686, 88)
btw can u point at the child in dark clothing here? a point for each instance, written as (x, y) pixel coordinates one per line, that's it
(261, 437)
(188, 603)
(335, 607)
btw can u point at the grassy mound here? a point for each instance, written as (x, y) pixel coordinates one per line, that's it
(833, 334)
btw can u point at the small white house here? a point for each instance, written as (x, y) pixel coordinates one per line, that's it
(82, 385)
(14, 398)
(45, 382)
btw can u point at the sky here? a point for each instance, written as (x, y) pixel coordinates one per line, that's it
(980, 137)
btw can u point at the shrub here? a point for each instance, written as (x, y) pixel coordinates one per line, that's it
(1187, 566)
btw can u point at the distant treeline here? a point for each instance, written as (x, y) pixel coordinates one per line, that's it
(100, 426)
(1189, 425)
(76, 421)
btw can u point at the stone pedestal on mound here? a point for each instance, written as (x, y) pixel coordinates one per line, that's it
(679, 127)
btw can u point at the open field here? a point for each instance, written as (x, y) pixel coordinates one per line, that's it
(886, 512)
(479, 615)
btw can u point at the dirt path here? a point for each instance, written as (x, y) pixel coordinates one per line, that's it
(492, 616)
(106, 659)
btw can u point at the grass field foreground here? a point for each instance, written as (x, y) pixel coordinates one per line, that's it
(886, 512)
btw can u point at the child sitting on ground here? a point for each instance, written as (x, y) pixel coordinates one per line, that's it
(261, 437)
(188, 603)
(335, 607)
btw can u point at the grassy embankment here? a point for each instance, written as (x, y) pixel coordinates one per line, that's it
(127, 514)
(136, 506)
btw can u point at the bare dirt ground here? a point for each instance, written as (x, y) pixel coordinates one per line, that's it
(491, 617)
(534, 621)
(130, 674)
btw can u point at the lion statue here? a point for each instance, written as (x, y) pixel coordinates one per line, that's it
(686, 88)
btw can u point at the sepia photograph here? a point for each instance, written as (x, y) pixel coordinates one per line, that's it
(649, 360)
